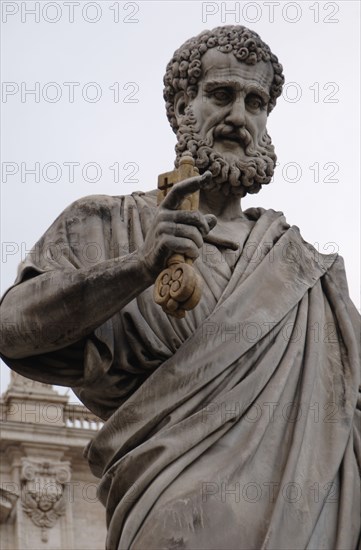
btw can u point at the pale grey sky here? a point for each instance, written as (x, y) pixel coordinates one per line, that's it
(97, 69)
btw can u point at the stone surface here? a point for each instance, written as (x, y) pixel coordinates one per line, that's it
(237, 426)
(47, 491)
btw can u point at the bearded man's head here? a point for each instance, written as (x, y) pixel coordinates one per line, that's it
(227, 60)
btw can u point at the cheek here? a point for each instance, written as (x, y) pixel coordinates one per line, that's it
(258, 123)
(207, 114)
(212, 116)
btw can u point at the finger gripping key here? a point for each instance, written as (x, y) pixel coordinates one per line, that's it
(178, 288)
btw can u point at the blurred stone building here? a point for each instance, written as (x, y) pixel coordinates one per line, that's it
(47, 492)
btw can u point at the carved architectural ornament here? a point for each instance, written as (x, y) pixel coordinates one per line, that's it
(42, 492)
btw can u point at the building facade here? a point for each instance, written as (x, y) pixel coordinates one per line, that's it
(47, 492)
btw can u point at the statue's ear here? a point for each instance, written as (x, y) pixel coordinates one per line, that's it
(181, 101)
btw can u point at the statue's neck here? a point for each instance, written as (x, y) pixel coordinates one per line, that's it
(227, 208)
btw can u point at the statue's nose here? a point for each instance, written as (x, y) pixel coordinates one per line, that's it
(237, 114)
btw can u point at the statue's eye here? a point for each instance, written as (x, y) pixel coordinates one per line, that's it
(254, 102)
(221, 95)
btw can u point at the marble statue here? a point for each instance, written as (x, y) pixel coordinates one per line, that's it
(235, 424)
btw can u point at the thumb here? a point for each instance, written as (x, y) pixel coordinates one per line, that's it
(211, 220)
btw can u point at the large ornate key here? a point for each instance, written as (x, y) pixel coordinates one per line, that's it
(178, 288)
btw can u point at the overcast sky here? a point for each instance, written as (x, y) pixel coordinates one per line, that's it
(96, 122)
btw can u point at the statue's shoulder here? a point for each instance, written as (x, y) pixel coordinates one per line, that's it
(103, 205)
(94, 204)
(272, 228)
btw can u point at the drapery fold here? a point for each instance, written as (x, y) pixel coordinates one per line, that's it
(255, 390)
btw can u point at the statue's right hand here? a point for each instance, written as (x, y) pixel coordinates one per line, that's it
(176, 231)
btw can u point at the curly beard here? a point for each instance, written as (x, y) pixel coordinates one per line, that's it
(238, 177)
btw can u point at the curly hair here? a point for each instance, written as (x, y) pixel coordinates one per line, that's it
(184, 70)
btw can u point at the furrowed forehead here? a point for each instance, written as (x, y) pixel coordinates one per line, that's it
(218, 67)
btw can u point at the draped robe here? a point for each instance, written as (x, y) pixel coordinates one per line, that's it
(236, 427)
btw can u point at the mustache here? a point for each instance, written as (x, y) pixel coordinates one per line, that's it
(240, 135)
